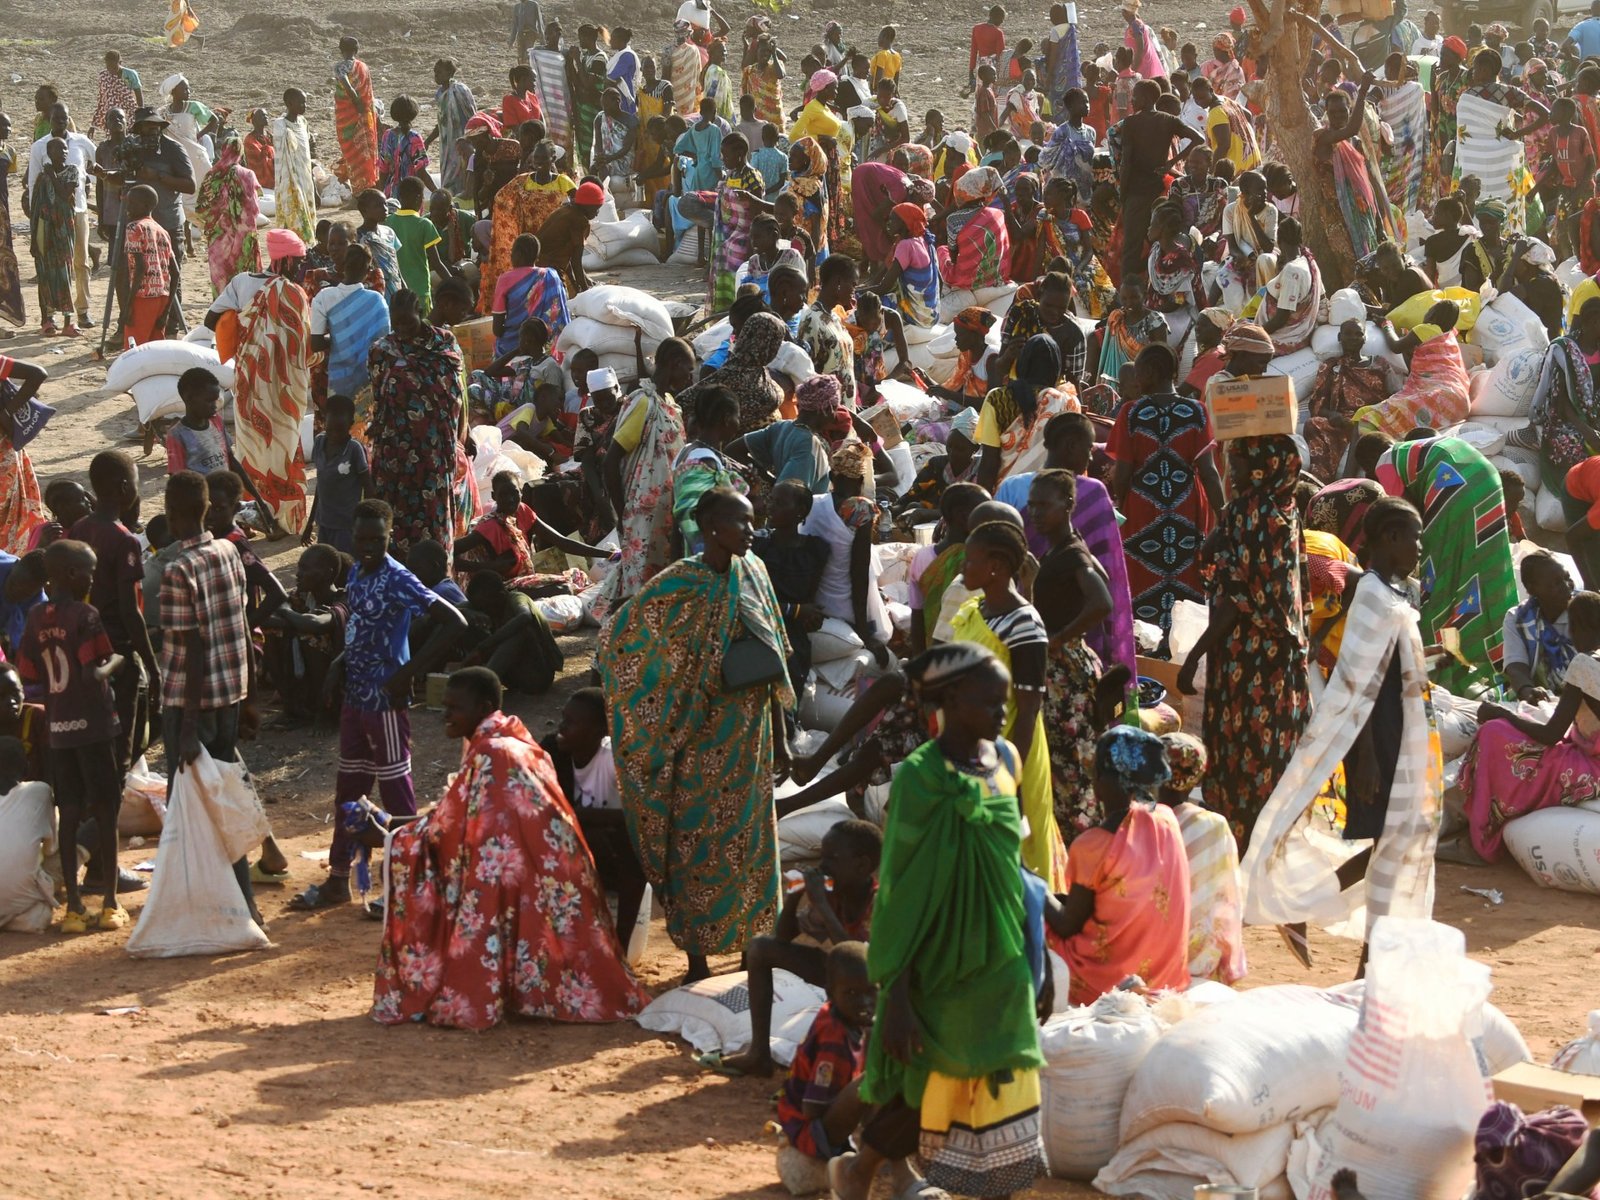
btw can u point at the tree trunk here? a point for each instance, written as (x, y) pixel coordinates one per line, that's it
(1293, 130)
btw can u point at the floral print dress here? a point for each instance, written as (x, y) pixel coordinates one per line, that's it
(496, 905)
(416, 415)
(1257, 692)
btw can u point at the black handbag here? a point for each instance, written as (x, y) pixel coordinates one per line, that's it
(749, 662)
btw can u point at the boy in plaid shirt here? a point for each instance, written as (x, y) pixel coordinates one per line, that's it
(206, 664)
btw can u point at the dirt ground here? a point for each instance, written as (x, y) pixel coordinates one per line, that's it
(263, 1072)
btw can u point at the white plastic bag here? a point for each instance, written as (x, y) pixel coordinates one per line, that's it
(1345, 305)
(1413, 1086)
(1090, 1057)
(195, 905)
(27, 838)
(1581, 1056)
(714, 1014)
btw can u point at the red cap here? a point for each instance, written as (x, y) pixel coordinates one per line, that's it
(589, 193)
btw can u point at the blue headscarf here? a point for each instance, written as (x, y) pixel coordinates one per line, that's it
(1134, 760)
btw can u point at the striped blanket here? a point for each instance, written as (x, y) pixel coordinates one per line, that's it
(1294, 851)
(357, 321)
(1405, 111)
(550, 80)
(1497, 161)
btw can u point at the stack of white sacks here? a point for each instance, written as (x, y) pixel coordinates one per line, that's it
(631, 242)
(150, 373)
(1247, 1088)
(604, 320)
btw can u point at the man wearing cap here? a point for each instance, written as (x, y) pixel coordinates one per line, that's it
(564, 231)
(149, 156)
(80, 154)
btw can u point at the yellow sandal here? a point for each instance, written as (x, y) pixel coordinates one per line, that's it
(75, 922)
(112, 916)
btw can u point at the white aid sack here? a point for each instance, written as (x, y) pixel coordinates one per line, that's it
(1458, 722)
(1524, 470)
(1501, 1043)
(1268, 1057)
(1559, 847)
(714, 1014)
(201, 336)
(613, 304)
(583, 333)
(800, 833)
(713, 335)
(1507, 387)
(1570, 274)
(1412, 1087)
(564, 614)
(1167, 1162)
(267, 202)
(1301, 366)
(835, 640)
(166, 357)
(214, 818)
(1505, 326)
(1090, 1057)
(1345, 305)
(1581, 1056)
(27, 838)
(155, 398)
(635, 256)
(1485, 439)
(1551, 514)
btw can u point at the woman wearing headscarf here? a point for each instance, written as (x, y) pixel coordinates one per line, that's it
(226, 208)
(1340, 508)
(1128, 910)
(979, 253)
(1014, 415)
(1073, 595)
(190, 124)
(808, 184)
(1449, 80)
(817, 120)
(1166, 482)
(954, 1068)
(745, 375)
(1222, 69)
(910, 279)
(799, 449)
(417, 399)
(998, 618)
(684, 62)
(694, 748)
(272, 384)
(1174, 271)
(1257, 691)
(1468, 582)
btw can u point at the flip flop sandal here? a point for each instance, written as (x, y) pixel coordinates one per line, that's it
(259, 874)
(114, 917)
(75, 922)
(316, 898)
(712, 1061)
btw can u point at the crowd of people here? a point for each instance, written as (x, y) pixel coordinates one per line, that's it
(1099, 235)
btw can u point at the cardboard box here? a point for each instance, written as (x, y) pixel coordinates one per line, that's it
(1254, 406)
(1532, 1087)
(883, 421)
(477, 342)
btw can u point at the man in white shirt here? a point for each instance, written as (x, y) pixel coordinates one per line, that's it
(80, 154)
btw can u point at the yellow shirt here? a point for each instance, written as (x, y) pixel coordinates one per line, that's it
(630, 425)
(1587, 290)
(816, 120)
(1216, 118)
(887, 64)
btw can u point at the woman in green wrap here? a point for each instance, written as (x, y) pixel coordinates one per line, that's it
(954, 1058)
(694, 759)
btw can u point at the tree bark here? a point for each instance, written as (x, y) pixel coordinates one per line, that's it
(1287, 42)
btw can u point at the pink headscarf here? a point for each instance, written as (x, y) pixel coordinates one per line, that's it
(284, 243)
(819, 80)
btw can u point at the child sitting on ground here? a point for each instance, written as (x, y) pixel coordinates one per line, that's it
(502, 541)
(580, 750)
(1216, 906)
(515, 640)
(304, 636)
(509, 382)
(343, 477)
(196, 442)
(820, 1104)
(829, 904)
(66, 647)
(544, 427)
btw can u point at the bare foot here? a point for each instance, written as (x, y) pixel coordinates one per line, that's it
(753, 1063)
(846, 1178)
